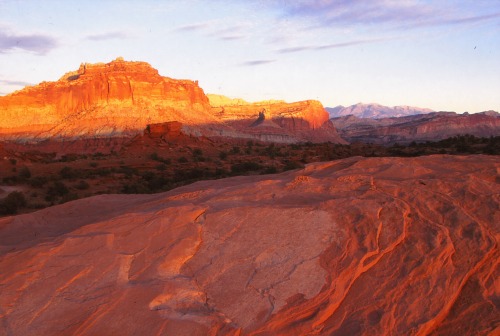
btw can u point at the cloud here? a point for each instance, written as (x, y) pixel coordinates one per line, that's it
(327, 46)
(15, 83)
(194, 27)
(232, 37)
(409, 14)
(36, 43)
(107, 36)
(257, 62)
(472, 19)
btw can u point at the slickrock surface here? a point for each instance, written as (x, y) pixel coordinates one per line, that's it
(423, 127)
(361, 246)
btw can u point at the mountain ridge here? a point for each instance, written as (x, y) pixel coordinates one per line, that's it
(375, 111)
(121, 98)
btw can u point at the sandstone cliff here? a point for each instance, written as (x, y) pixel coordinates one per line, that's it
(120, 98)
(426, 127)
(362, 246)
(110, 99)
(276, 120)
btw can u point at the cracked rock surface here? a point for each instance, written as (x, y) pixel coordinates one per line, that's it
(361, 246)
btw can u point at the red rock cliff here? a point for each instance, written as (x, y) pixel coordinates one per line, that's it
(102, 99)
(304, 114)
(276, 120)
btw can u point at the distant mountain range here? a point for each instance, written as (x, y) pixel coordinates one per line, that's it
(375, 111)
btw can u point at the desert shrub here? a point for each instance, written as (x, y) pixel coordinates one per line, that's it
(82, 185)
(93, 164)
(13, 161)
(270, 170)
(11, 204)
(68, 197)
(182, 159)
(102, 171)
(244, 167)
(290, 165)
(69, 157)
(128, 171)
(197, 152)
(235, 150)
(161, 167)
(199, 159)
(68, 172)
(24, 173)
(189, 174)
(154, 156)
(221, 172)
(158, 182)
(55, 190)
(223, 155)
(38, 181)
(135, 188)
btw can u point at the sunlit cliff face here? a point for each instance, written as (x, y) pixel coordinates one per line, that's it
(118, 95)
(361, 246)
(122, 98)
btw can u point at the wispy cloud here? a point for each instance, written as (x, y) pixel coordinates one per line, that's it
(409, 14)
(232, 37)
(328, 46)
(15, 83)
(216, 29)
(257, 62)
(472, 19)
(107, 36)
(36, 43)
(194, 27)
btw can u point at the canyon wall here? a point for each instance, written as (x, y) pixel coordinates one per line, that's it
(102, 100)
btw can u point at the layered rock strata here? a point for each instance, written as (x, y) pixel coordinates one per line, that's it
(102, 100)
(423, 127)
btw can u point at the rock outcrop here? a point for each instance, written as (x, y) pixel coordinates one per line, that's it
(425, 127)
(375, 111)
(361, 246)
(114, 99)
(276, 121)
(120, 98)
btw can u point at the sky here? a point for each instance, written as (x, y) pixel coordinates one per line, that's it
(443, 55)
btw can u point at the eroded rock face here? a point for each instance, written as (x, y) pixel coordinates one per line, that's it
(425, 127)
(354, 247)
(120, 98)
(117, 98)
(275, 121)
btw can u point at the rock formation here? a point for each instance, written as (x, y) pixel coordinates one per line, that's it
(425, 127)
(375, 111)
(361, 246)
(114, 99)
(120, 98)
(276, 121)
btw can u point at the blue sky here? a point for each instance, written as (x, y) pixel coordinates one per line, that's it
(443, 55)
